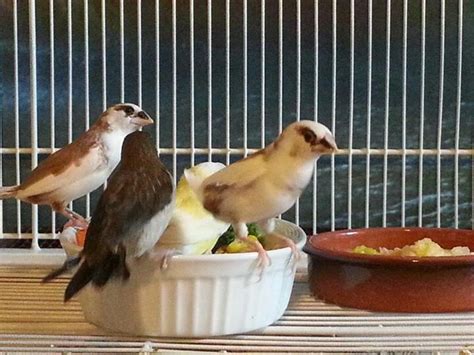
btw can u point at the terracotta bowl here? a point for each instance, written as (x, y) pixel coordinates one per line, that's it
(392, 283)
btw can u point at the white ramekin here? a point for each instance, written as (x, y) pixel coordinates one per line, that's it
(197, 296)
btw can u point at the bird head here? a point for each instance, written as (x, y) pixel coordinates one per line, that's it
(307, 139)
(126, 117)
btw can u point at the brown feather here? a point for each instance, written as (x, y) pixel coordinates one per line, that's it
(73, 152)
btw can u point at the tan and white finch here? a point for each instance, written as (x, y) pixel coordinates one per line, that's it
(266, 183)
(130, 217)
(81, 166)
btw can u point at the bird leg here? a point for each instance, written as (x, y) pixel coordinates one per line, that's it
(77, 221)
(162, 256)
(241, 232)
(268, 227)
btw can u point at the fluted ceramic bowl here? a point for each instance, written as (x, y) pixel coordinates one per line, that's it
(196, 296)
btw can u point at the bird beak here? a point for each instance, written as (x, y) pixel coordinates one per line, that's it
(141, 119)
(329, 142)
(326, 145)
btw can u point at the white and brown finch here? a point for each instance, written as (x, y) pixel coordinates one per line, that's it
(81, 166)
(266, 183)
(130, 217)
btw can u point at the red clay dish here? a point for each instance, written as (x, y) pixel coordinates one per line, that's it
(392, 283)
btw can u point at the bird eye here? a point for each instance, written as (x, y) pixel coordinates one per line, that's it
(309, 136)
(129, 110)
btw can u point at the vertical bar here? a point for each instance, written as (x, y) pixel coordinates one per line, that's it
(351, 117)
(262, 59)
(404, 109)
(298, 60)
(139, 51)
(298, 86)
(458, 116)
(209, 78)
(122, 52)
(104, 56)
(86, 82)
(422, 112)
(333, 109)
(227, 81)
(440, 114)
(245, 113)
(369, 115)
(174, 88)
(157, 66)
(33, 115)
(17, 114)
(387, 113)
(191, 46)
(280, 66)
(69, 75)
(315, 114)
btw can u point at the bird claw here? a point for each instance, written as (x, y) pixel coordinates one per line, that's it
(289, 243)
(77, 224)
(162, 257)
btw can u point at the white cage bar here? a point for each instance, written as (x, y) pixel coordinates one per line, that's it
(274, 58)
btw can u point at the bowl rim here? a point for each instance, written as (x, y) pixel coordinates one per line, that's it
(409, 261)
(301, 238)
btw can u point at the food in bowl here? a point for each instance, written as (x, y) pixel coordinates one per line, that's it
(420, 248)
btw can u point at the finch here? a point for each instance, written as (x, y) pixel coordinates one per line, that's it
(131, 215)
(265, 184)
(193, 230)
(81, 166)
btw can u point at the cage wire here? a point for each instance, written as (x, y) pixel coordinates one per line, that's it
(391, 79)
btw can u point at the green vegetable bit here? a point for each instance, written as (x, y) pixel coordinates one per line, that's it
(229, 236)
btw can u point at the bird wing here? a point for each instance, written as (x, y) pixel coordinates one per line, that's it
(240, 173)
(66, 166)
(130, 200)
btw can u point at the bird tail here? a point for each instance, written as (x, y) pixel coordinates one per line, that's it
(68, 264)
(113, 265)
(8, 191)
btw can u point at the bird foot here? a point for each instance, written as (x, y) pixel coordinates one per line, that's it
(287, 242)
(263, 258)
(162, 257)
(82, 224)
(75, 219)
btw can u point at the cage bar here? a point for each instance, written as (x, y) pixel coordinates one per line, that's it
(315, 111)
(333, 111)
(351, 116)
(227, 81)
(139, 52)
(298, 85)
(387, 111)
(157, 69)
(422, 112)
(192, 83)
(209, 78)
(262, 74)
(17, 117)
(86, 86)
(369, 111)
(175, 94)
(104, 54)
(440, 111)
(245, 77)
(122, 51)
(458, 115)
(33, 114)
(404, 110)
